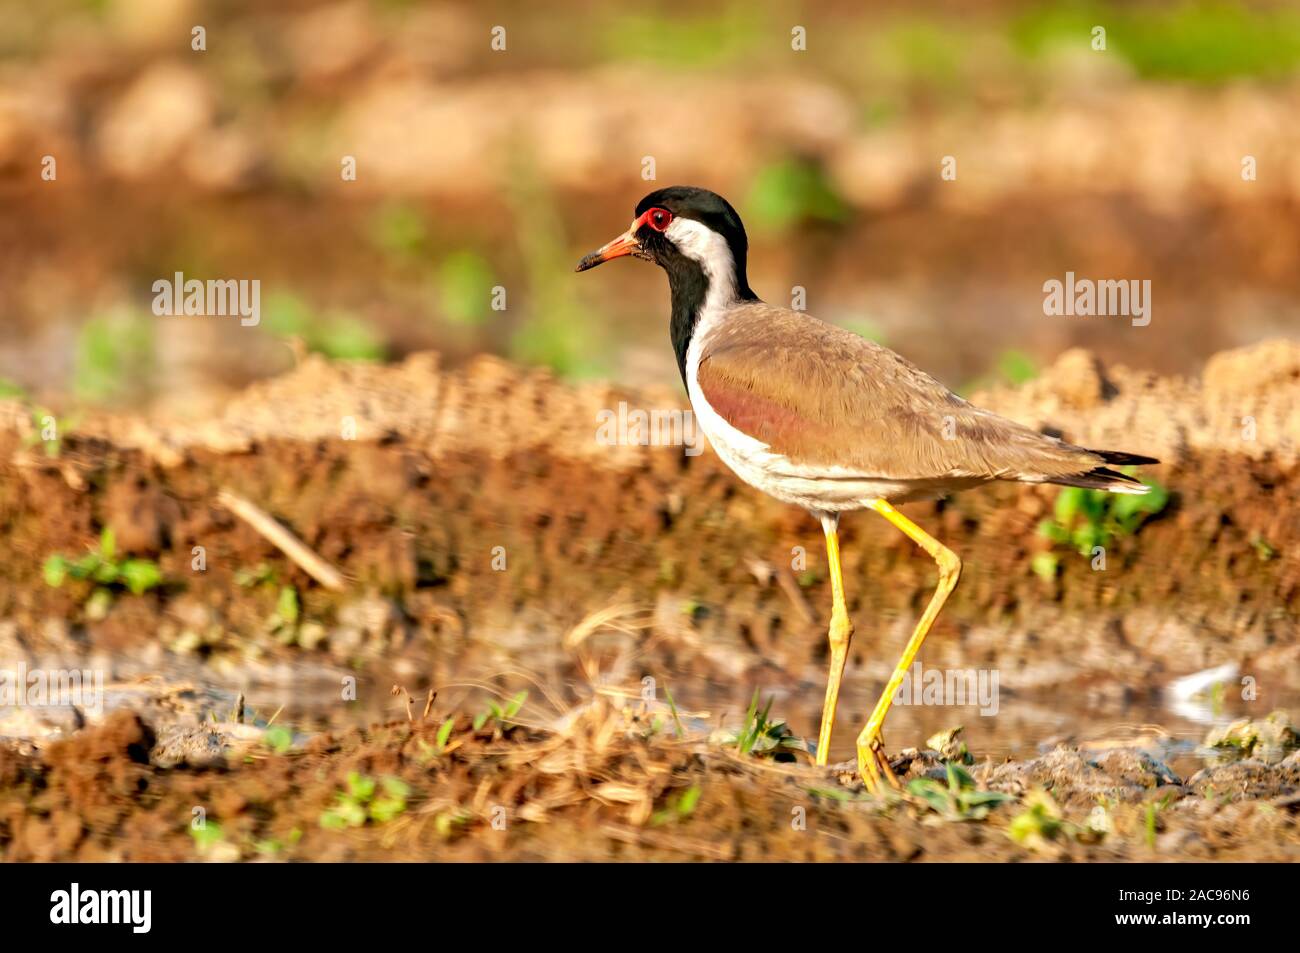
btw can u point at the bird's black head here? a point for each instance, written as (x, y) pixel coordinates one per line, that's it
(697, 238)
(689, 232)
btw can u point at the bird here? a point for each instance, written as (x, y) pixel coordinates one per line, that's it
(819, 417)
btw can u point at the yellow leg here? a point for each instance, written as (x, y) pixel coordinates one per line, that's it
(871, 758)
(841, 632)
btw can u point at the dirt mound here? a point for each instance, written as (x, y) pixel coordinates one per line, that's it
(477, 514)
(1247, 402)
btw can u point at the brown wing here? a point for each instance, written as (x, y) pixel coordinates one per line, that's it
(823, 397)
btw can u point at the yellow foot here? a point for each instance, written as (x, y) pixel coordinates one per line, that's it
(873, 765)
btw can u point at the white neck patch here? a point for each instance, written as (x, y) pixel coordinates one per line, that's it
(705, 246)
(711, 251)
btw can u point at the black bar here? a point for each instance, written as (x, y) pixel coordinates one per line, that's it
(334, 901)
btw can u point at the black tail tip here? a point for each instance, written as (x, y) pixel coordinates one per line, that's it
(1102, 478)
(1121, 459)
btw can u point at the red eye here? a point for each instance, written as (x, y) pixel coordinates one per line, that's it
(658, 218)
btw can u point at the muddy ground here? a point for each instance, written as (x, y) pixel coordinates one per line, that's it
(599, 789)
(492, 545)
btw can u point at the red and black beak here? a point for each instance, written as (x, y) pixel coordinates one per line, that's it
(625, 244)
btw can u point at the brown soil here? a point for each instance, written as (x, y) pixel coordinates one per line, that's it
(449, 465)
(598, 791)
(622, 547)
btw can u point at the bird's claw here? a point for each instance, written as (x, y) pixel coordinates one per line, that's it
(873, 765)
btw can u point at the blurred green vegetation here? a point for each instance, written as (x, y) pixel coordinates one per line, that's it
(793, 191)
(1013, 367)
(929, 49)
(1198, 41)
(461, 280)
(865, 328)
(1087, 518)
(464, 282)
(553, 329)
(890, 64)
(959, 798)
(729, 35)
(113, 354)
(336, 334)
(763, 736)
(558, 330)
(400, 231)
(105, 571)
(1017, 367)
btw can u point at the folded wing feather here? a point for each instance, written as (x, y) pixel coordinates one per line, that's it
(824, 397)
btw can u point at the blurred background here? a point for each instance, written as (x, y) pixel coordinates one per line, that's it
(479, 167)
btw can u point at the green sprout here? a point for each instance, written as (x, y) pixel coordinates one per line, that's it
(400, 231)
(102, 567)
(1017, 367)
(679, 806)
(1151, 818)
(1086, 519)
(358, 802)
(259, 575)
(285, 623)
(271, 846)
(43, 421)
(113, 353)
(444, 733)
(762, 736)
(431, 752)
(207, 836)
(1045, 565)
(278, 738)
(1039, 822)
(1263, 549)
(678, 730)
(1013, 367)
(959, 799)
(286, 606)
(501, 715)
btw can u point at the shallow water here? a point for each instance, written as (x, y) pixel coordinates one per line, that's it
(313, 694)
(1023, 725)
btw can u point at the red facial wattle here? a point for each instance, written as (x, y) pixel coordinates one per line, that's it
(655, 218)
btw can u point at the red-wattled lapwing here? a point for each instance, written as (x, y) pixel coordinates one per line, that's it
(814, 415)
